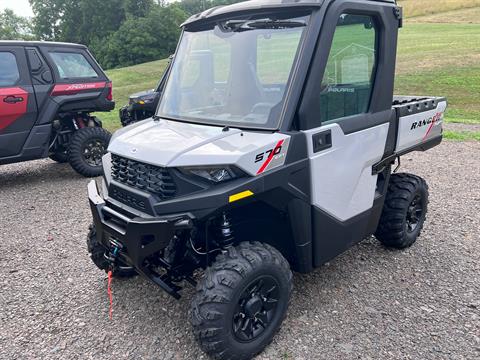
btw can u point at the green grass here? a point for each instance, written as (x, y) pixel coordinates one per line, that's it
(434, 59)
(462, 135)
(460, 85)
(130, 80)
(414, 8)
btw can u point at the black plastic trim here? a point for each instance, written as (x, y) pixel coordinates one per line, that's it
(424, 146)
(332, 237)
(322, 141)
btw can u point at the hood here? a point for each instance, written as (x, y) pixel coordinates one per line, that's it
(161, 142)
(167, 143)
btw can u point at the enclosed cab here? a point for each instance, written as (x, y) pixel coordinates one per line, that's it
(47, 94)
(271, 150)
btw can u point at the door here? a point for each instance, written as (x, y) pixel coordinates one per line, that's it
(347, 120)
(18, 109)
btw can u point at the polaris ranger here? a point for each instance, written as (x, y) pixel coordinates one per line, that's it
(142, 105)
(47, 94)
(271, 151)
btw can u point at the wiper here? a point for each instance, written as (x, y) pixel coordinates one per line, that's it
(241, 25)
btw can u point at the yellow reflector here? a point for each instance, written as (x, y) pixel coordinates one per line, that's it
(141, 102)
(240, 196)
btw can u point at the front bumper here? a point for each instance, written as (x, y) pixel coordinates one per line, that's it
(136, 238)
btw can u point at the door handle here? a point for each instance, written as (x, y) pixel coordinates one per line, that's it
(322, 141)
(13, 99)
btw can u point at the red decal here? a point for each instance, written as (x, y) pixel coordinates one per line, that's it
(73, 89)
(435, 119)
(13, 105)
(269, 160)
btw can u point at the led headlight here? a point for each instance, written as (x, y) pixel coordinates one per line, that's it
(148, 99)
(214, 174)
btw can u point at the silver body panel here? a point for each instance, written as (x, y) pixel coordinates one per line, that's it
(341, 177)
(167, 143)
(417, 128)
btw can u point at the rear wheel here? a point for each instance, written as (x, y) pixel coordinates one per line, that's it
(404, 211)
(87, 147)
(242, 301)
(97, 254)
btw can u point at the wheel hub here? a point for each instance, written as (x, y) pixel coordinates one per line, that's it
(414, 213)
(253, 306)
(256, 309)
(93, 152)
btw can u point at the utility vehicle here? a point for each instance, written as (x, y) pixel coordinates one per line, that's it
(143, 105)
(47, 94)
(271, 150)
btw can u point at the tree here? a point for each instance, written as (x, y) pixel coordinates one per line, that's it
(119, 32)
(142, 39)
(195, 6)
(14, 27)
(137, 8)
(79, 20)
(46, 25)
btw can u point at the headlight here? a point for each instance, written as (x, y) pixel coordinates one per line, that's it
(214, 174)
(148, 99)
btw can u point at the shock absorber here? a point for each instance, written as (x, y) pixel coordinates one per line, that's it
(225, 236)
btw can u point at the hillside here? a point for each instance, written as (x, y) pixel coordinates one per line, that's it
(439, 54)
(413, 8)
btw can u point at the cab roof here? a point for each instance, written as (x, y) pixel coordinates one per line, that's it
(40, 44)
(253, 5)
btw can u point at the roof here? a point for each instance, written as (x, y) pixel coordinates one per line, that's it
(255, 5)
(39, 43)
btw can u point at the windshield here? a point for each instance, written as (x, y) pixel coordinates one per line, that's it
(235, 73)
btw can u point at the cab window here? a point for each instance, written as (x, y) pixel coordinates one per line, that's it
(9, 74)
(349, 76)
(72, 65)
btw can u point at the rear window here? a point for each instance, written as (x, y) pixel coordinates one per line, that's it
(9, 74)
(72, 65)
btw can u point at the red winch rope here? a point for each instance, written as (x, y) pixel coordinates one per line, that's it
(110, 296)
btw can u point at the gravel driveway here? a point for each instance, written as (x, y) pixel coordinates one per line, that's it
(369, 303)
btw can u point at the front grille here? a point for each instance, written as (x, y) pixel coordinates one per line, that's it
(152, 179)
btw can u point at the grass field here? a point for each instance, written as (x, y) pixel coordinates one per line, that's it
(438, 54)
(414, 8)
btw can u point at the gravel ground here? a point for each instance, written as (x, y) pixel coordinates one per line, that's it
(369, 303)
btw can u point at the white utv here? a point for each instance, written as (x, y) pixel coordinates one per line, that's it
(271, 151)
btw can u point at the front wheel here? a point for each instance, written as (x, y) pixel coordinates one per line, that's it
(87, 147)
(241, 301)
(404, 211)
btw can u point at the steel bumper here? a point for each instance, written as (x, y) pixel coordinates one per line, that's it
(138, 238)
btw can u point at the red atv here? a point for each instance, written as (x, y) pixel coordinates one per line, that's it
(47, 94)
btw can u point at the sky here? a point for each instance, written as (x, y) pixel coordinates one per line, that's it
(20, 7)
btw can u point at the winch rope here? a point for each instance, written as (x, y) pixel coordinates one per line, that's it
(110, 296)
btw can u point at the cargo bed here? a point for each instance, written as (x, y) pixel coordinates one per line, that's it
(420, 125)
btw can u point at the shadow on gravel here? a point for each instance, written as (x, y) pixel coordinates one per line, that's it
(15, 175)
(311, 291)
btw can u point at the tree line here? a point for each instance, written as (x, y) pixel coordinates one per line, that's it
(118, 32)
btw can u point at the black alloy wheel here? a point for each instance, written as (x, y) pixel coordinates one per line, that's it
(93, 152)
(404, 211)
(414, 213)
(256, 308)
(87, 147)
(241, 301)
